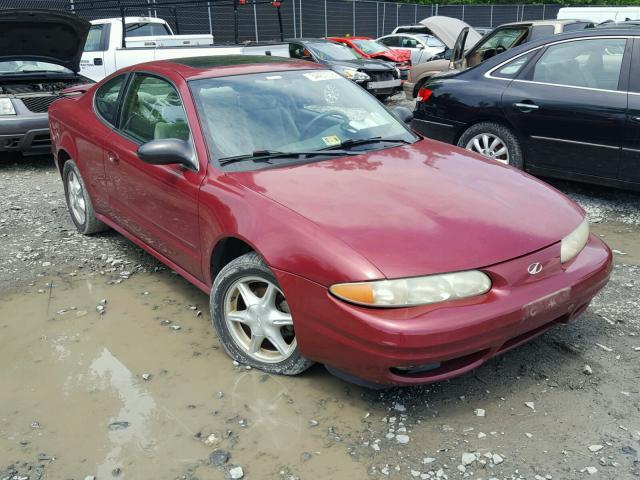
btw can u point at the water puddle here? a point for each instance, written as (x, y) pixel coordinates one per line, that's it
(122, 393)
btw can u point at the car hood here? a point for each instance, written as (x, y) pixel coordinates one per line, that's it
(424, 208)
(393, 55)
(44, 36)
(362, 64)
(447, 30)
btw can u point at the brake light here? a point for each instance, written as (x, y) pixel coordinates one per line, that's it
(424, 94)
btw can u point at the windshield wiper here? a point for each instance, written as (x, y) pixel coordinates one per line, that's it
(264, 156)
(353, 142)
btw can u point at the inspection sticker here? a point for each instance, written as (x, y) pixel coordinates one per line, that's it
(331, 141)
(321, 76)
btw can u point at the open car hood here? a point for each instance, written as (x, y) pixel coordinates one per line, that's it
(448, 29)
(43, 36)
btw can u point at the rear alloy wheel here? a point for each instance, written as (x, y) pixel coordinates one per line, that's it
(79, 202)
(494, 141)
(252, 318)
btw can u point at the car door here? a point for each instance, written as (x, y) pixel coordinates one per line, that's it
(568, 107)
(92, 63)
(414, 46)
(630, 161)
(92, 148)
(156, 203)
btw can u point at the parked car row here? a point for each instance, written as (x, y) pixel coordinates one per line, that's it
(310, 213)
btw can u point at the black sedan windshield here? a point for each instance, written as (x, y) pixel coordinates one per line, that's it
(332, 51)
(292, 111)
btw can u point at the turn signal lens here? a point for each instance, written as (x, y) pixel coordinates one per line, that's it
(407, 292)
(6, 107)
(573, 243)
(424, 94)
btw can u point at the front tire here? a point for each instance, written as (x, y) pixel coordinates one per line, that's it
(252, 318)
(79, 202)
(494, 141)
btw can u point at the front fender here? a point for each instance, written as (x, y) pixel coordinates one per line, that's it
(285, 240)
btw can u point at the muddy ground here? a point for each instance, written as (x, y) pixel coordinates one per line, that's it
(127, 394)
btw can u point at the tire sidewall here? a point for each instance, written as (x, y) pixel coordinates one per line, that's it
(516, 159)
(70, 166)
(249, 265)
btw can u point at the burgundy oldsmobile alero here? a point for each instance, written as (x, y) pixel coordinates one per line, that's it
(322, 227)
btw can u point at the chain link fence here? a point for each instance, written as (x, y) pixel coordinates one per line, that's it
(307, 18)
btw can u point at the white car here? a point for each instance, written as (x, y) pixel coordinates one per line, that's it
(422, 46)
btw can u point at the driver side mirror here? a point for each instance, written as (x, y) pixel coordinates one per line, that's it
(167, 151)
(420, 46)
(403, 113)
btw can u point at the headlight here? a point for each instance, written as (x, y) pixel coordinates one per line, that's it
(573, 243)
(6, 107)
(406, 292)
(355, 75)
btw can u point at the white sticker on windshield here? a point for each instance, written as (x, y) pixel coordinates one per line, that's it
(321, 75)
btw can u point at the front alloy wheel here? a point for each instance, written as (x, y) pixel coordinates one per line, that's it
(258, 318)
(252, 318)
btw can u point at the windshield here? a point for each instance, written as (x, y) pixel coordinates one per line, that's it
(332, 51)
(293, 111)
(431, 41)
(19, 66)
(370, 46)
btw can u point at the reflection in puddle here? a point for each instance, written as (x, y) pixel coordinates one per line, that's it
(136, 409)
(272, 415)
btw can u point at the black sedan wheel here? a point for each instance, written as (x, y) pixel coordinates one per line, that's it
(494, 141)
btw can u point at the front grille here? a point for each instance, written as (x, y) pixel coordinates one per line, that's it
(39, 104)
(380, 76)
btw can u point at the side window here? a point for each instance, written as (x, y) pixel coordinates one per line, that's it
(146, 29)
(500, 41)
(153, 110)
(514, 67)
(541, 31)
(391, 41)
(299, 51)
(572, 27)
(593, 63)
(106, 99)
(94, 39)
(408, 42)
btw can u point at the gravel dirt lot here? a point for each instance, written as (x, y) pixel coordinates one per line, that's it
(110, 369)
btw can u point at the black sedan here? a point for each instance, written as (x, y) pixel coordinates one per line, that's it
(567, 107)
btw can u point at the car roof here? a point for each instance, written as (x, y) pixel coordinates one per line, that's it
(192, 68)
(351, 38)
(545, 22)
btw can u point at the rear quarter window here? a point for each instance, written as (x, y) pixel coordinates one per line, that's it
(106, 99)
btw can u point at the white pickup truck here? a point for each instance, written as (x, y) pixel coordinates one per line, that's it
(109, 48)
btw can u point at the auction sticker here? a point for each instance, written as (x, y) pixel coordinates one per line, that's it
(331, 141)
(322, 75)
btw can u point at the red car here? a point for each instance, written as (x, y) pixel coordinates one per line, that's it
(369, 48)
(323, 228)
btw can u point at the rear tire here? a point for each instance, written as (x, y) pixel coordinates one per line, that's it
(491, 139)
(79, 202)
(250, 314)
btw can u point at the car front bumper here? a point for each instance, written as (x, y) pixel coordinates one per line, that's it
(28, 134)
(408, 346)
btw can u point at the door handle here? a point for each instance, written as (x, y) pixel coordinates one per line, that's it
(97, 61)
(635, 119)
(526, 107)
(113, 158)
